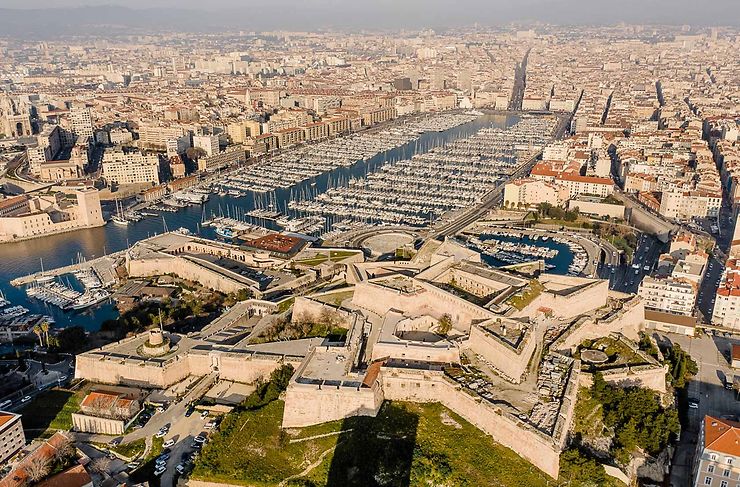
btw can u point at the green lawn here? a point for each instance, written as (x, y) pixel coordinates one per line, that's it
(320, 258)
(407, 444)
(145, 473)
(529, 294)
(50, 411)
(285, 305)
(336, 298)
(132, 449)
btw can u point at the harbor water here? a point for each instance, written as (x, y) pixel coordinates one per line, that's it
(22, 258)
(560, 262)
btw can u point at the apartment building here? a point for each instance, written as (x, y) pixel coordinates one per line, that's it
(585, 185)
(12, 438)
(156, 136)
(80, 118)
(685, 205)
(235, 154)
(290, 136)
(727, 306)
(178, 146)
(670, 294)
(717, 458)
(209, 143)
(529, 192)
(130, 167)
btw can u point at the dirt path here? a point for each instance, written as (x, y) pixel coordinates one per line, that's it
(308, 469)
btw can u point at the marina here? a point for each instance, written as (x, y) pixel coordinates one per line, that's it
(227, 212)
(421, 189)
(561, 255)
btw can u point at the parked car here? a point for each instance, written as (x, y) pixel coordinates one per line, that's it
(189, 411)
(204, 414)
(199, 439)
(159, 470)
(26, 399)
(169, 443)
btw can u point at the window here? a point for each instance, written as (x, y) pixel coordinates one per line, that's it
(729, 460)
(710, 469)
(723, 483)
(726, 472)
(707, 480)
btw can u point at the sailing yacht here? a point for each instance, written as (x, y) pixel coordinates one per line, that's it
(43, 278)
(118, 218)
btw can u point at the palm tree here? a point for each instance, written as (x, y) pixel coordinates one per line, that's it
(45, 330)
(37, 330)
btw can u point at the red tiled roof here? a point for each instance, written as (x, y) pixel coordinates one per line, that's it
(75, 476)
(722, 435)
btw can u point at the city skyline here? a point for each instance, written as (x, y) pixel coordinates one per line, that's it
(21, 18)
(384, 243)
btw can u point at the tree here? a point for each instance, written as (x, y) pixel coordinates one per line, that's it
(195, 153)
(543, 208)
(581, 469)
(101, 465)
(45, 330)
(37, 468)
(445, 324)
(72, 339)
(37, 330)
(65, 450)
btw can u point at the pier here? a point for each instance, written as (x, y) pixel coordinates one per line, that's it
(104, 267)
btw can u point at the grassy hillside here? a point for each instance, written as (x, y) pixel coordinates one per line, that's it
(406, 445)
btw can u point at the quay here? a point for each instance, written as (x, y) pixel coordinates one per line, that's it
(103, 266)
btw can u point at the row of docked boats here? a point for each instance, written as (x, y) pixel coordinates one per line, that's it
(313, 160)
(419, 190)
(65, 297)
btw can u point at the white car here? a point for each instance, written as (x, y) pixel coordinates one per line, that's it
(204, 414)
(199, 439)
(168, 443)
(26, 399)
(162, 432)
(159, 470)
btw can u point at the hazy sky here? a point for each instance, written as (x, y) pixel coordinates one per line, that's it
(436, 13)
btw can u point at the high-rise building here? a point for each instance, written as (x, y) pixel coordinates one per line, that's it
(81, 119)
(209, 143)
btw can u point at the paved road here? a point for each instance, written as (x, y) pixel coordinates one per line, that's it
(520, 83)
(708, 387)
(174, 413)
(182, 432)
(626, 278)
(491, 200)
(58, 374)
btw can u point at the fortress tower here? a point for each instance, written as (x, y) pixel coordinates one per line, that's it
(88, 206)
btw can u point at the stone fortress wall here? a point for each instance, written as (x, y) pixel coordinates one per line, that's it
(426, 386)
(185, 269)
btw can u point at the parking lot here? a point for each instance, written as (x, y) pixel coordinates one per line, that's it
(707, 389)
